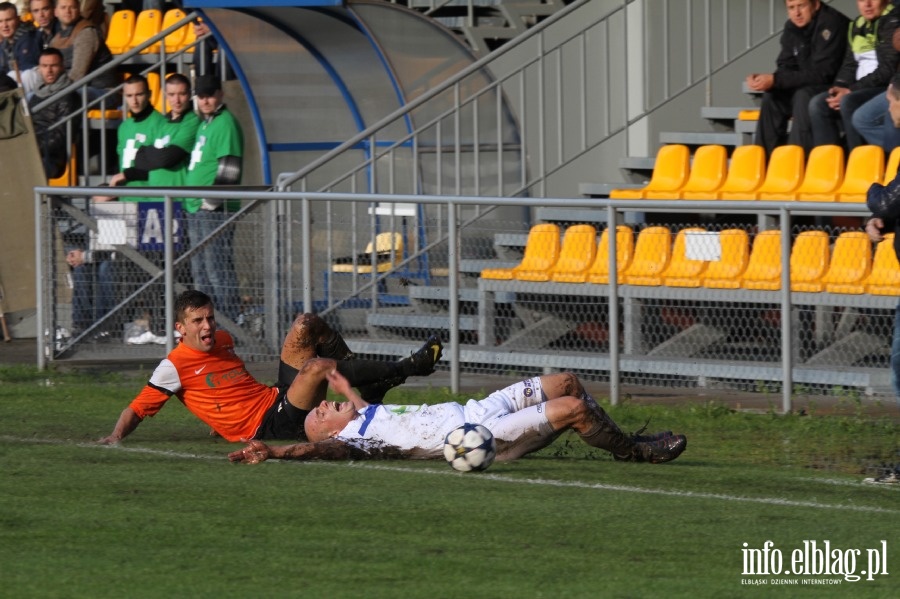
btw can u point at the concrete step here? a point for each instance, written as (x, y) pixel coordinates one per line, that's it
(701, 139)
(573, 215)
(412, 320)
(475, 266)
(510, 240)
(601, 190)
(723, 113)
(436, 293)
(637, 163)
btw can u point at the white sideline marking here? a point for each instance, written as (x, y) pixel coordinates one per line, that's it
(494, 477)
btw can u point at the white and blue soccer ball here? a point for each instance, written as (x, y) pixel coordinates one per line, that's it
(470, 447)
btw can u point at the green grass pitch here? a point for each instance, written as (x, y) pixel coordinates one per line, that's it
(166, 515)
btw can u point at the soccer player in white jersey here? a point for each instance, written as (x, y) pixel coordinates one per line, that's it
(523, 417)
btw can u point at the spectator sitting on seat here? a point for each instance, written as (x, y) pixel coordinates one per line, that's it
(869, 64)
(52, 142)
(94, 13)
(812, 48)
(45, 20)
(42, 11)
(873, 120)
(83, 47)
(19, 44)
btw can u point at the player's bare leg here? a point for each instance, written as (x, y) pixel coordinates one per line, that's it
(570, 405)
(310, 385)
(310, 337)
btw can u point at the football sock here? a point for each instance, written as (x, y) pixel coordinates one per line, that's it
(334, 347)
(605, 434)
(364, 372)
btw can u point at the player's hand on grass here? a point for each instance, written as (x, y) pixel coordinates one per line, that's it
(110, 440)
(254, 453)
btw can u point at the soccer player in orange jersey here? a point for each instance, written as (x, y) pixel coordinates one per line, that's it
(207, 376)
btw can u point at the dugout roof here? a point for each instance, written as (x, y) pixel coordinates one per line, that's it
(317, 72)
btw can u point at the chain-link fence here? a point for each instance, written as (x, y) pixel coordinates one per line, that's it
(698, 299)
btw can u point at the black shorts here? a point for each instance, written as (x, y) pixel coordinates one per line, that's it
(283, 420)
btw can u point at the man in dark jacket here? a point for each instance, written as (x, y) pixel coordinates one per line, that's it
(812, 49)
(19, 43)
(884, 202)
(52, 142)
(869, 64)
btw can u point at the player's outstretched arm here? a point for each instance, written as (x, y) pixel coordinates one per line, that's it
(128, 421)
(330, 449)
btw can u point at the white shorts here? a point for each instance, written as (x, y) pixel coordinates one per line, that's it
(516, 417)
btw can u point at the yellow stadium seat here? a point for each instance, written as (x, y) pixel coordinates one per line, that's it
(884, 278)
(113, 114)
(190, 36)
(157, 97)
(110, 114)
(810, 256)
(175, 40)
(745, 174)
(682, 271)
(864, 167)
(579, 246)
(764, 266)
(783, 173)
(147, 25)
(751, 114)
(69, 178)
(388, 251)
(541, 252)
(851, 263)
(599, 271)
(890, 171)
(652, 253)
(121, 31)
(726, 272)
(824, 173)
(708, 170)
(670, 171)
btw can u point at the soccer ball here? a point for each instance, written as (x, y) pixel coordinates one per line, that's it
(470, 447)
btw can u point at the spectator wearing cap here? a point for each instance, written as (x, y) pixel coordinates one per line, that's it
(216, 159)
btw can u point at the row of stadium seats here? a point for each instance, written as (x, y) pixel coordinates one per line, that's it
(128, 30)
(714, 260)
(789, 176)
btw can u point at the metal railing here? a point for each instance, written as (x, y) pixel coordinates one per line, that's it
(572, 94)
(111, 100)
(789, 328)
